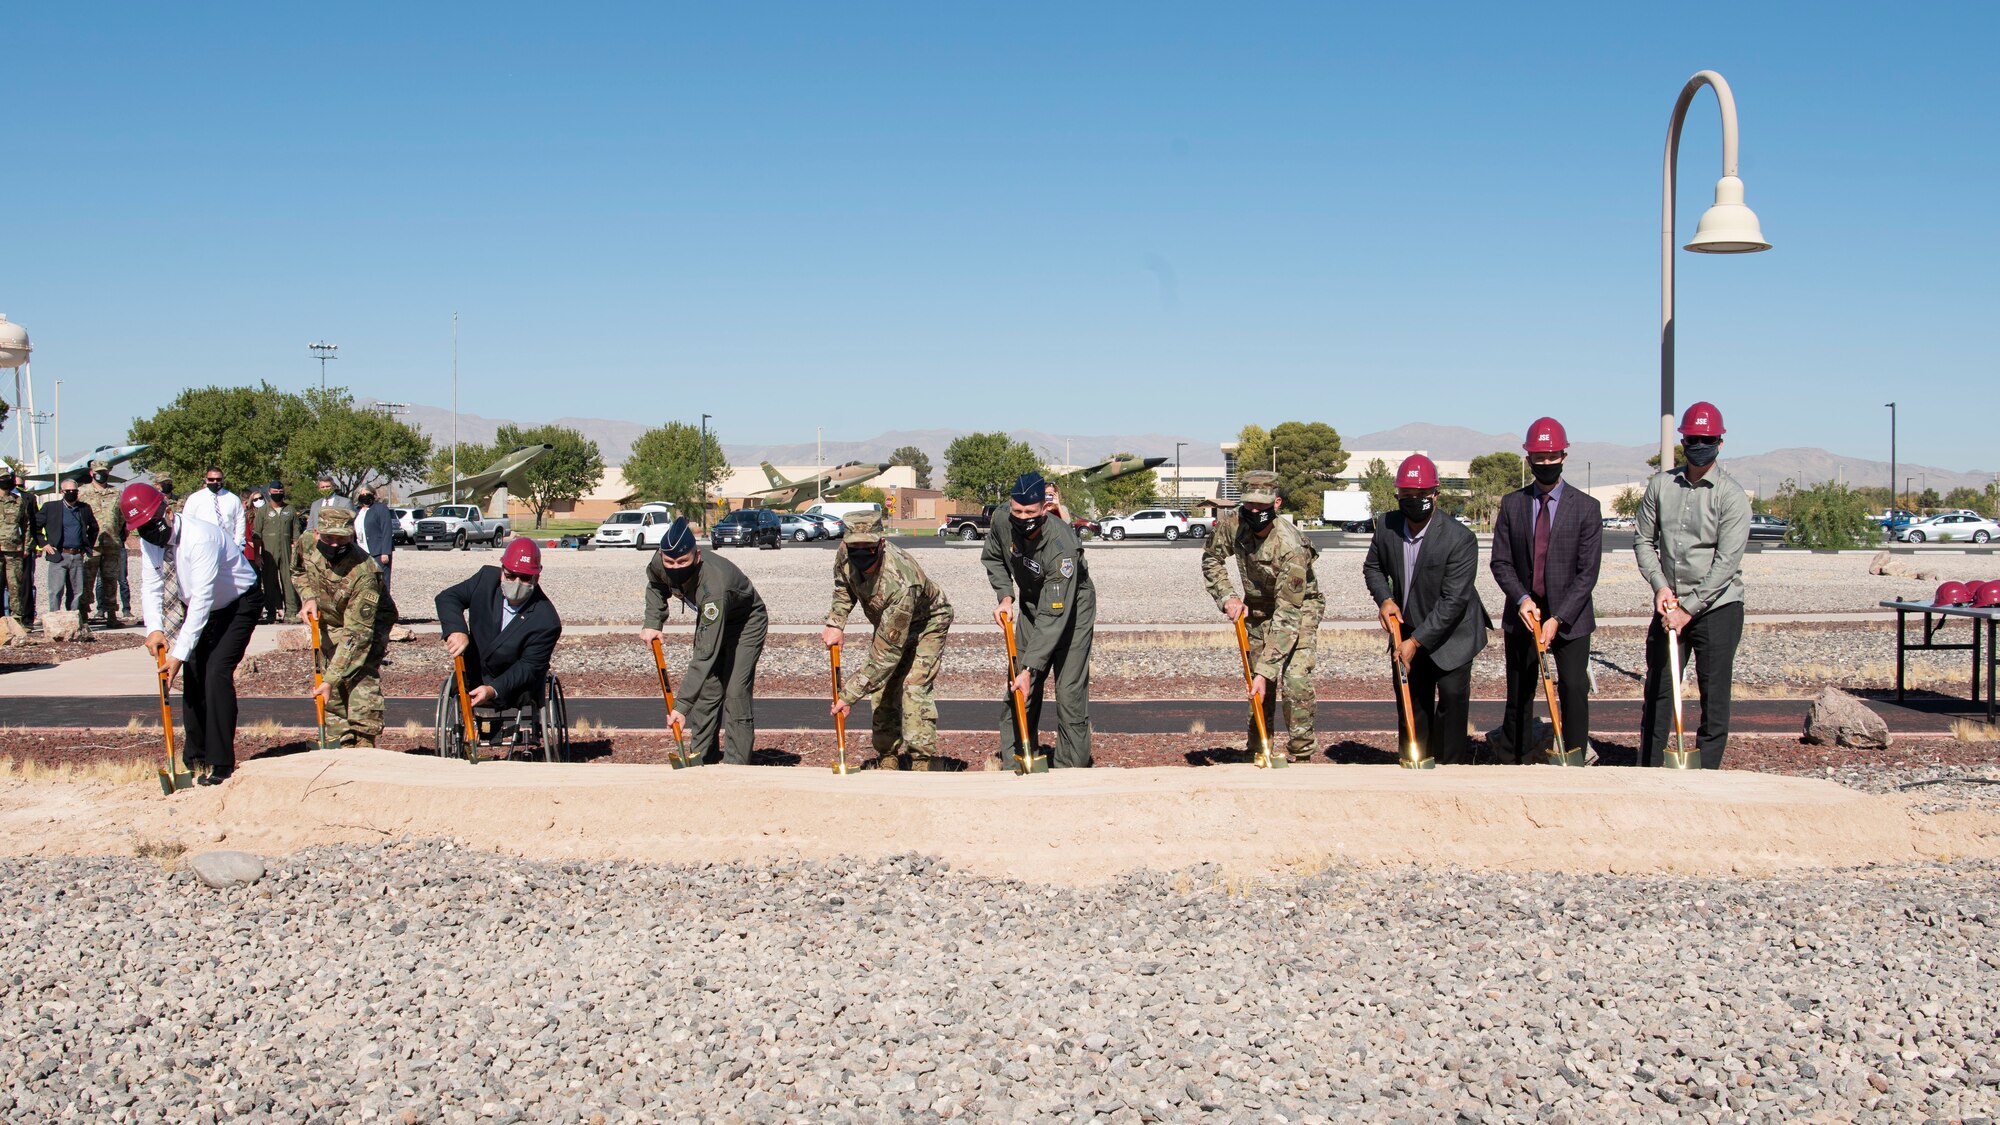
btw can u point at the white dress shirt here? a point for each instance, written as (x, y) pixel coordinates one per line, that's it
(361, 532)
(212, 573)
(223, 509)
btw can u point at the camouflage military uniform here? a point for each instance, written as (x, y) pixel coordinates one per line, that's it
(911, 617)
(277, 530)
(106, 562)
(355, 615)
(17, 552)
(1284, 605)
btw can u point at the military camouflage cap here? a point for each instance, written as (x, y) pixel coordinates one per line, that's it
(336, 521)
(1260, 486)
(100, 464)
(863, 528)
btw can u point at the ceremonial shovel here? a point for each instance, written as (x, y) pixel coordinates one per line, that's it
(683, 759)
(171, 779)
(1265, 759)
(1027, 761)
(839, 721)
(1558, 756)
(1678, 757)
(319, 677)
(1412, 758)
(471, 735)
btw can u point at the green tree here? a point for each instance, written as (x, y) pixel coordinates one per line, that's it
(1309, 455)
(1493, 476)
(4, 410)
(355, 446)
(1929, 499)
(916, 459)
(1680, 456)
(1380, 483)
(1253, 450)
(1968, 498)
(562, 475)
(1626, 503)
(860, 494)
(666, 464)
(981, 467)
(1126, 493)
(244, 431)
(1829, 516)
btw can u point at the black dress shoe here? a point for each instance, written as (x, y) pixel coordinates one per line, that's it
(212, 778)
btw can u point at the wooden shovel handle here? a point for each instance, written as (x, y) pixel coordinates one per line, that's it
(464, 699)
(1249, 678)
(839, 721)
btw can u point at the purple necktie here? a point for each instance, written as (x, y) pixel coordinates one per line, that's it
(1540, 587)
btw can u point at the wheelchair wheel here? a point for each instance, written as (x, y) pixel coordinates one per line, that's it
(449, 739)
(555, 724)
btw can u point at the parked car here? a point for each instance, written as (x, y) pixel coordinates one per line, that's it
(460, 526)
(1619, 523)
(406, 523)
(642, 527)
(1949, 527)
(833, 526)
(968, 526)
(1160, 523)
(1084, 528)
(1202, 526)
(748, 527)
(1768, 527)
(840, 510)
(798, 528)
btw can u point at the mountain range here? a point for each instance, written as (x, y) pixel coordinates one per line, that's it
(1595, 462)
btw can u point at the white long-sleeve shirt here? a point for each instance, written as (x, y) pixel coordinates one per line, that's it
(223, 509)
(211, 572)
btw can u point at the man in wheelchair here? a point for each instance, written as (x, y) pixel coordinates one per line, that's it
(505, 626)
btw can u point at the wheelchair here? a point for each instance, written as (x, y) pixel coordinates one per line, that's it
(536, 728)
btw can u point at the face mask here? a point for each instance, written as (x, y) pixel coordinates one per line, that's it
(1254, 520)
(1026, 526)
(1703, 454)
(860, 561)
(1546, 475)
(69, 495)
(517, 591)
(6, 484)
(326, 490)
(101, 477)
(156, 532)
(687, 577)
(1416, 509)
(365, 499)
(331, 549)
(277, 499)
(212, 485)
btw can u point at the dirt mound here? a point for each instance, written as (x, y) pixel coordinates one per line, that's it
(1079, 827)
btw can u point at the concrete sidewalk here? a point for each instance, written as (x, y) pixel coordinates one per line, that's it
(122, 671)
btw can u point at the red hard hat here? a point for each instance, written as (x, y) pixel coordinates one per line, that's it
(1702, 420)
(1417, 471)
(1973, 590)
(1546, 436)
(1952, 593)
(140, 502)
(522, 557)
(1989, 597)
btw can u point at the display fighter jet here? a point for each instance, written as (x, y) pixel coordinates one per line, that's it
(1121, 464)
(489, 489)
(78, 470)
(785, 493)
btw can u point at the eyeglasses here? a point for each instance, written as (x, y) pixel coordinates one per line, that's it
(212, 480)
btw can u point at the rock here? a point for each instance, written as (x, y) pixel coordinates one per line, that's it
(401, 633)
(294, 640)
(12, 632)
(1839, 719)
(227, 868)
(64, 625)
(1880, 563)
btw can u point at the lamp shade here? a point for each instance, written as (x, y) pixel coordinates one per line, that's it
(1728, 227)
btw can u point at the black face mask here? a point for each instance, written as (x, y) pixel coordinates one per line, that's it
(1254, 520)
(101, 477)
(212, 485)
(6, 484)
(1416, 509)
(687, 578)
(1702, 453)
(1547, 475)
(277, 499)
(331, 550)
(69, 495)
(156, 531)
(860, 562)
(1028, 526)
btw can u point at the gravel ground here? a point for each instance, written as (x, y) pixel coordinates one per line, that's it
(1146, 584)
(1789, 659)
(418, 982)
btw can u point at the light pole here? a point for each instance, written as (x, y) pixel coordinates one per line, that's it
(1907, 502)
(1892, 452)
(1727, 227)
(325, 352)
(1177, 468)
(704, 471)
(454, 406)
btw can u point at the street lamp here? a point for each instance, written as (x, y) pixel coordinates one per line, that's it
(1177, 468)
(704, 470)
(1727, 227)
(1907, 502)
(1892, 452)
(324, 352)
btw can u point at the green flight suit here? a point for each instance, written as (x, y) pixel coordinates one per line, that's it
(355, 616)
(1055, 616)
(911, 618)
(277, 531)
(1282, 596)
(17, 552)
(106, 561)
(729, 628)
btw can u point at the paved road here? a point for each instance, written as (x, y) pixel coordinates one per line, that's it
(1921, 715)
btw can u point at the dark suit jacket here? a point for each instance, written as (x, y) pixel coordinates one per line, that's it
(1576, 543)
(514, 662)
(381, 526)
(1443, 612)
(52, 524)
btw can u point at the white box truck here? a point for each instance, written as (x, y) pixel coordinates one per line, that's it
(1347, 510)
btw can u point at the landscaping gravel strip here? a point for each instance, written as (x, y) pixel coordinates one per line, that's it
(421, 982)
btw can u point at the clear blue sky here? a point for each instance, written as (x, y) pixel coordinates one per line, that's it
(1083, 218)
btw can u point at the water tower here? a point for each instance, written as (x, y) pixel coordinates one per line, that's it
(14, 349)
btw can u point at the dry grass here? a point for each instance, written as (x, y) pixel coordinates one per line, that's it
(113, 772)
(1972, 730)
(1199, 726)
(166, 853)
(415, 730)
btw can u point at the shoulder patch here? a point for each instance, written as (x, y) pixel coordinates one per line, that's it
(710, 611)
(1067, 568)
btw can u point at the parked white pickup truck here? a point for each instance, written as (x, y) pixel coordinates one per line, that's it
(460, 526)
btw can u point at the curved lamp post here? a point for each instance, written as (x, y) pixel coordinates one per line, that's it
(1727, 227)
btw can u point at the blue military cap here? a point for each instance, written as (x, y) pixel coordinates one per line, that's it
(275, 486)
(679, 540)
(1029, 488)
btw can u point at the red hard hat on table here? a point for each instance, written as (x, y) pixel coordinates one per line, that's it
(140, 502)
(1417, 471)
(522, 557)
(1702, 420)
(1989, 597)
(1973, 590)
(1952, 593)
(1546, 436)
